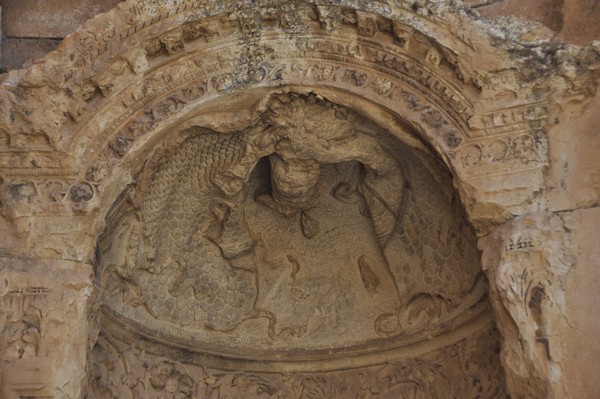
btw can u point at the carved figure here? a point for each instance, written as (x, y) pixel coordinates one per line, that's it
(185, 276)
(220, 237)
(20, 325)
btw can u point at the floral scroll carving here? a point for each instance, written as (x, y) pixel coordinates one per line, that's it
(456, 371)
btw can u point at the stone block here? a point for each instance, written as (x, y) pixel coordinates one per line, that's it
(546, 12)
(16, 52)
(42, 302)
(579, 339)
(581, 21)
(49, 19)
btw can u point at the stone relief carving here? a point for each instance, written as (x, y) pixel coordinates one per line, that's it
(21, 323)
(531, 280)
(311, 228)
(36, 310)
(387, 86)
(162, 53)
(460, 370)
(445, 85)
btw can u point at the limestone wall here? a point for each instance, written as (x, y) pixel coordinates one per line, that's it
(33, 28)
(331, 120)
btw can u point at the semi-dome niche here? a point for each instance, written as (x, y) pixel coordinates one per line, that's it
(309, 252)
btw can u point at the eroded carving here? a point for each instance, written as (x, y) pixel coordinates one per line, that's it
(21, 323)
(229, 232)
(126, 78)
(530, 281)
(469, 369)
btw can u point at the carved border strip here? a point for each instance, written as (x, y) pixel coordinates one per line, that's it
(393, 66)
(478, 319)
(88, 42)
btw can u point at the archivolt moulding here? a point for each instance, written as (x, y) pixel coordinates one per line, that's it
(140, 69)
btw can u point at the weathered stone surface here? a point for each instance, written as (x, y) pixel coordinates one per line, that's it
(569, 21)
(580, 21)
(543, 270)
(44, 312)
(271, 198)
(48, 19)
(578, 337)
(527, 261)
(575, 21)
(16, 52)
(546, 12)
(574, 174)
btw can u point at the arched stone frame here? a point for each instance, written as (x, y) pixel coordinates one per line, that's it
(454, 115)
(64, 168)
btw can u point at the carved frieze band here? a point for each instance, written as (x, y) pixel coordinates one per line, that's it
(477, 319)
(513, 138)
(93, 47)
(515, 146)
(467, 369)
(411, 74)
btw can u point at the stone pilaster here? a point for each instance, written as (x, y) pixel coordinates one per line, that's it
(43, 327)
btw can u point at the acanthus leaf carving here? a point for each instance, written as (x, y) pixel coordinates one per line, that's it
(459, 370)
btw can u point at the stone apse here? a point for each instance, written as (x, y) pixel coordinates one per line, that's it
(306, 199)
